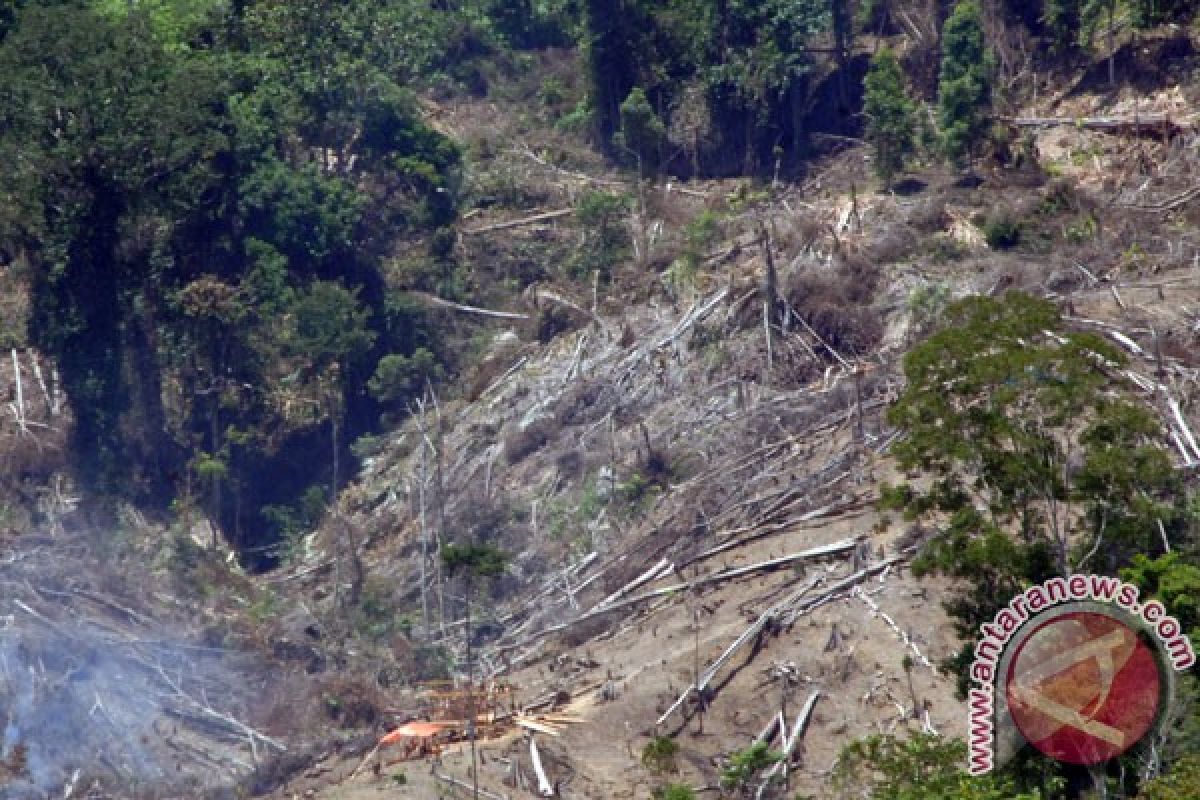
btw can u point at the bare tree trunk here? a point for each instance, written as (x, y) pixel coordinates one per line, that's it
(471, 715)
(441, 498)
(770, 292)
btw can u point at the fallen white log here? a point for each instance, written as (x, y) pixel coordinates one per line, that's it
(642, 579)
(789, 743)
(1125, 341)
(692, 317)
(545, 788)
(830, 549)
(904, 638)
(20, 407)
(516, 223)
(754, 630)
(1183, 427)
(486, 312)
(51, 406)
(767, 734)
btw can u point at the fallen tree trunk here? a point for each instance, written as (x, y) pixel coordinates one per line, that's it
(789, 744)
(1156, 125)
(793, 609)
(516, 223)
(486, 312)
(545, 788)
(842, 546)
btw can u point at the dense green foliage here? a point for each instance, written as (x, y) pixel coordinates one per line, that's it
(891, 123)
(921, 767)
(748, 61)
(1180, 783)
(659, 754)
(963, 94)
(1062, 19)
(1037, 463)
(204, 196)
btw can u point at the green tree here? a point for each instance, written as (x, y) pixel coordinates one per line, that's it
(659, 754)
(842, 25)
(963, 94)
(1147, 13)
(755, 63)
(606, 241)
(1180, 782)
(1175, 582)
(746, 767)
(1062, 20)
(1037, 464)
(610, 48)
(398, 378)
(891, 124)
(921, 767)
(105, 134)
(674, 791)
(642, 133)
(472, 563)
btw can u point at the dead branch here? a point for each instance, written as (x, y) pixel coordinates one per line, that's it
(437, 301)
(1181, 199)
(663, 566)
(748, 635)
(516, 223)
(789, 743)
(545, 788)
(904, 638)
(1154, 125)
(464, 785)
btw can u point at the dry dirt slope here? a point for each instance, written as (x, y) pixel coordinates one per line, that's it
(734, 471)
(662, 431)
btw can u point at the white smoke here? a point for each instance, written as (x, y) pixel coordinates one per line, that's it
(95, 693)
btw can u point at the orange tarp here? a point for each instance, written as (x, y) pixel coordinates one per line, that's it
(413, 730)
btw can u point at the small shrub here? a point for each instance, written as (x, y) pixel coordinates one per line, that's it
(606, 240)
(552, 93)
(1081, 230)
(943, 249)
(674, 791)
(553, 320)
(659, 755)
(1001, 229)
(926, 304)
(744, 766)
(1059, 196)
(635, 490)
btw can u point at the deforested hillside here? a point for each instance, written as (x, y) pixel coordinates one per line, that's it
(591, 400)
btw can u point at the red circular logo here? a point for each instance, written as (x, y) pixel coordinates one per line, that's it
(1083, 687)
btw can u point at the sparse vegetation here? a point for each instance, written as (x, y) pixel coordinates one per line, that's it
(745, 767)
(659, 755)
